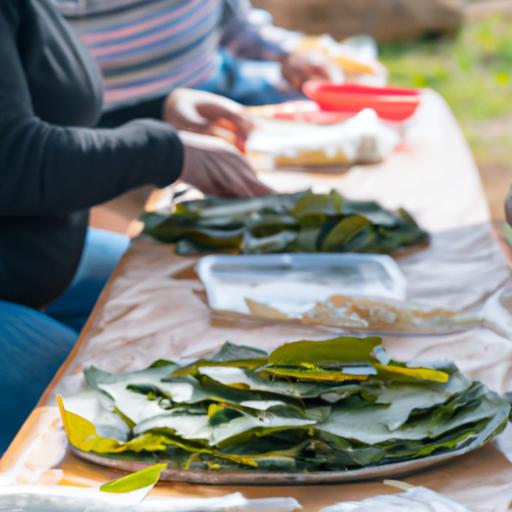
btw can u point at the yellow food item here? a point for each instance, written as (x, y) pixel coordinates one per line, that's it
(348, 62)
(354, 67)
(363, 313)
(264, 311)
(307, 158)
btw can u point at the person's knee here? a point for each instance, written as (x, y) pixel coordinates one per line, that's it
(32, 345)
(32, 348)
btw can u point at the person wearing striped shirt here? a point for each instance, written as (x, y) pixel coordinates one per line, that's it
(148, 48)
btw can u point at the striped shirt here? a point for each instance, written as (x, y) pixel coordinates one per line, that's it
(146, 48)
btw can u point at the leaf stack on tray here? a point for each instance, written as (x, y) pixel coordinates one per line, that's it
(305, 407)
(301, 222)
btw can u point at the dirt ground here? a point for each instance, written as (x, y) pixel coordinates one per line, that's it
(497, 180)
(491, 141)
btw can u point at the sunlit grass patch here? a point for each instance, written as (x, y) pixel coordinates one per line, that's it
(473, 71)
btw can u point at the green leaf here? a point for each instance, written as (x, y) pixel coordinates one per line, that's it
(146, 477)
(310, 374)
(232, 355)
(82, 434)
(306, 241)
(394, 372)
(131, 392)
(163, 363)
(193, 368)
(240, 378)
(338, 238)
(212, 207)
(403, 399)
(196, 427)
(231, 352)
(321, 206)
(372, 211)
(324, 353)
(174, 228)
(277, 242)
(304, 222)
(189, 247)
(158, 226)
(247, 427)
(100, 411)
(188, 426)
(242, 408)
(96, 377)
(368, 424)
(198, 450)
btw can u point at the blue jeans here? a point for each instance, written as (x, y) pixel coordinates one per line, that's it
(251, 82)
(34, 344)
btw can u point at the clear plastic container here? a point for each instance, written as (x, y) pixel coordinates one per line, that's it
(294, 283)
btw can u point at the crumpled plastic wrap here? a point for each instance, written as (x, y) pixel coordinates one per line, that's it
(70, 499)
(417, 499)
(361, 139)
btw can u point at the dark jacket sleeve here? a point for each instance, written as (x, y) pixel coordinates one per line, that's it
(147, 109)
(46, 169)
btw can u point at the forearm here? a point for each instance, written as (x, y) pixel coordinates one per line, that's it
(246, 34)
(57, 170)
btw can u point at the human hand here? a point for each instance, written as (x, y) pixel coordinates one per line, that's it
(217, 168)
(201, 112)
(299, 67)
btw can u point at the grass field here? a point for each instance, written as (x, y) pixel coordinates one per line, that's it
(473, 71)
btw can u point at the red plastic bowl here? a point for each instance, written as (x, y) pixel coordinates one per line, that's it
(390, 103)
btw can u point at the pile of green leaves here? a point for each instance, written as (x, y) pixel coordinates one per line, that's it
(301, 222)
(306, 406)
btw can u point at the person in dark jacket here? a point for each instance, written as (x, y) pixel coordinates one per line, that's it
(54, 165)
